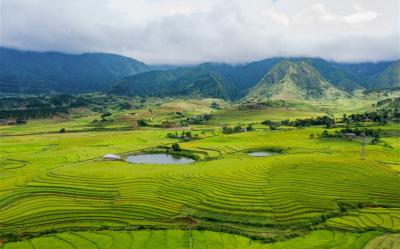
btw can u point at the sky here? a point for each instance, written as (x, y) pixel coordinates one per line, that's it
(195, 31)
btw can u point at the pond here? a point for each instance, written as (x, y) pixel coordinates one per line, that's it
(160, 158)
(262, 154)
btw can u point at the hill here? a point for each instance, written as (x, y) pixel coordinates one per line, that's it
(291, 80)
(388, 78)
(245, 76)
(195, 81)
(43, 72)
(29, 72)
(308, 78)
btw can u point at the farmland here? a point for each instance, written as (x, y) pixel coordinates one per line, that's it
(56, 191)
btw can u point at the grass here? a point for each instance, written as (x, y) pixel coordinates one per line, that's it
(177, 239)
(391, 241)
(386, 218)
(57, 183)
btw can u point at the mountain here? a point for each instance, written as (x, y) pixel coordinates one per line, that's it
(245, 76)
(364, 70)
(335, 75)
(279, 78)
(43, 72)
(345, 76)
(196, 81)
(388, 78)
(294, 80)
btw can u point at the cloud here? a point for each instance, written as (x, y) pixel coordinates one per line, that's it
(191, 31)
(360, 17)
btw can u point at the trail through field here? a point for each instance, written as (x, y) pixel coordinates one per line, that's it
(152, 116)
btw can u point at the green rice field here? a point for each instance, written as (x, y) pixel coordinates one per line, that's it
(57, 191)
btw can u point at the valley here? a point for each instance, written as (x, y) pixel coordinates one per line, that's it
(57, 189)
(149, 124)
(276, 153)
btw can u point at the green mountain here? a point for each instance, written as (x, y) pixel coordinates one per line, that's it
(195, 81)
(388, 78)
(364, 70)
(335, 75)
(294, 80)
(277, 78)
(245, 76)
(47, 72)
(248, 75)
(36, 72)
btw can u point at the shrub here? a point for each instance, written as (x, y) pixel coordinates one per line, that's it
(375, 140)
(175, 147)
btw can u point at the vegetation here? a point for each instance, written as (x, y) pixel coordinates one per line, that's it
(35, 72)
(177, 239)
(331, 181)
(38, 107)
(195, 82)
(56, 190)
(308, 78)
(329, 122)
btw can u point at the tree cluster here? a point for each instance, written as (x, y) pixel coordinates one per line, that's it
(329, 122)
(196, 120)
(236, 129)
(184, 136)
(260, 105)
(351, 133)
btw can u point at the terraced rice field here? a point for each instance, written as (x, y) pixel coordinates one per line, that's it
(58, 184)
(175, 239)
(387, 218)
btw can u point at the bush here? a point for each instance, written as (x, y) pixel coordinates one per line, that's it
(62, 130)
(20, 121)
(375, 140)
(104, 115)
(142, 123)
(175, 147)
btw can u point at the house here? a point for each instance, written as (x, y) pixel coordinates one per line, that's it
(350, 135)
(112, 157)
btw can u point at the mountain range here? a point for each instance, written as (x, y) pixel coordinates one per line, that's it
(44, 72)
(274, 78)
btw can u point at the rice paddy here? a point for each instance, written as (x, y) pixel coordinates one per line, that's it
(56, 191)
(177, 239)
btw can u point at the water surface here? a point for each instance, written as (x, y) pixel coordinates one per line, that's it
(263, 154)
(160, 158)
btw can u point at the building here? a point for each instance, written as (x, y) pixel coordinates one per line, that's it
(112, 157)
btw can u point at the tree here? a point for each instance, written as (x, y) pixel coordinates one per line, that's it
(19, 121)
(62, 130)
(237, 129)
(105, 115)
(375, 140)
(346, 120)
(142, 123)
(214, 105)
(175, 147)
(325, 133)
(272, 127)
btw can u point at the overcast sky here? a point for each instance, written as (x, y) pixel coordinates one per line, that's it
(193, 31)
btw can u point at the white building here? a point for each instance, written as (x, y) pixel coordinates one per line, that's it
(112, 157)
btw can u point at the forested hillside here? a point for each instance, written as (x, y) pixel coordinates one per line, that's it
(35, 72)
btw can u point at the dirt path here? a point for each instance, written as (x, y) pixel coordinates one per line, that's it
(152, 116)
